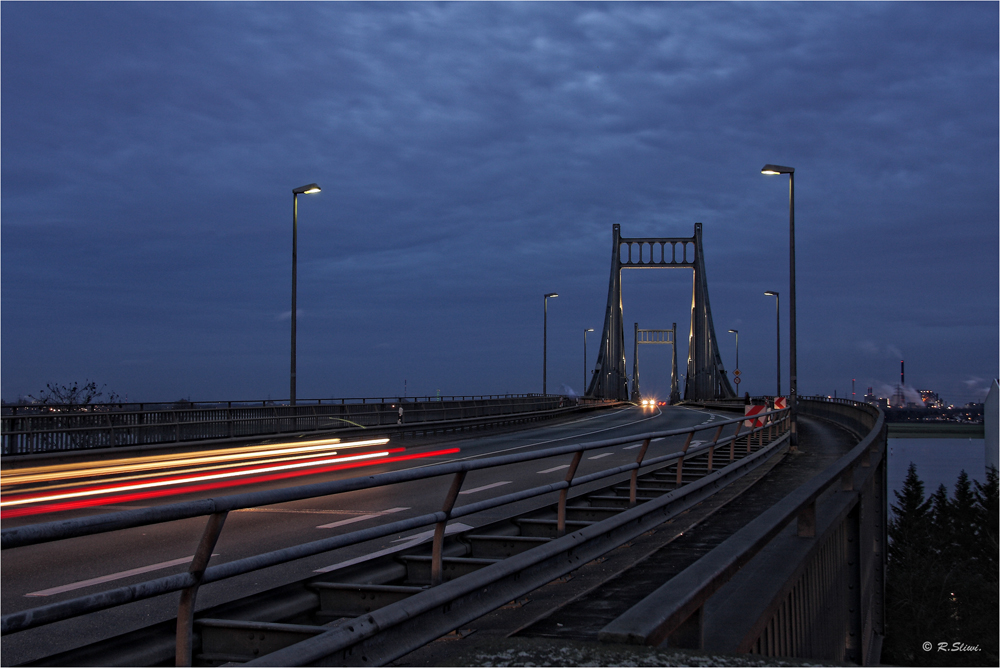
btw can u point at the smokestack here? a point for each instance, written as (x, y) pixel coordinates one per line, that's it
(902, 375)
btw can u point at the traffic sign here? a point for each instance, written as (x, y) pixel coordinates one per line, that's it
(736, 373)
(736, 380)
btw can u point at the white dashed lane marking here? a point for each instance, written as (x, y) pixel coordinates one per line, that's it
(113, 576)
(360, 518)
(405, 544)
(603, 454)
(555, 468)
(485, 487)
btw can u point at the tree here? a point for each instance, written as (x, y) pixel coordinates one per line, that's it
(74, 394)
(70, 424)
(941, 583)
(912, 583)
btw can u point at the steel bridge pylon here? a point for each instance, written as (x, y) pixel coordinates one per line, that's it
(655, 336)
(706, 375)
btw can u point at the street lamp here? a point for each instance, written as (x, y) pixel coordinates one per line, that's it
(303, 190)
(737, 333)
(792, 379)
(545, 340)
(777, 311)
(585, 358)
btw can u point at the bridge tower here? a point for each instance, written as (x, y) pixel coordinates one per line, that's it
(706, 376)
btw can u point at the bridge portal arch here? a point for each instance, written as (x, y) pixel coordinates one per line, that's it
(655, 336)
(706, 375)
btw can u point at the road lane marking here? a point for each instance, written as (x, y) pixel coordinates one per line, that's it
(556, 468)
(639, 445)
(114, 576)
(410, 541)
(486, 487)
(552, 440)
(603, 454)
(305, 511)
(360, 518)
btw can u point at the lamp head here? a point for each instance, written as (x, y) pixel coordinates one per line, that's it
(777, 169)
(589, 330)
(551, 294)
(306, 190)
(734, 331)
(771, 293)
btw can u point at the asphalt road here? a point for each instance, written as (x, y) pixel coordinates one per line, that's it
(46, 573)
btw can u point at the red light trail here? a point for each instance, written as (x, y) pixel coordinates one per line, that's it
(35, 504)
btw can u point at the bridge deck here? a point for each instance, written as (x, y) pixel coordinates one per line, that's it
(570, 612)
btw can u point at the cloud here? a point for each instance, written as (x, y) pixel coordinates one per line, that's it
(882, 351)
(472, 155)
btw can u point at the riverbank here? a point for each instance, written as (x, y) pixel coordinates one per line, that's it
(935, 430)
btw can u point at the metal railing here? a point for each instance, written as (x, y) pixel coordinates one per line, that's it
(771, 425)
(815, 591)
(47, 428)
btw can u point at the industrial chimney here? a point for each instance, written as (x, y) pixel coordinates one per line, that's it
(902, 375)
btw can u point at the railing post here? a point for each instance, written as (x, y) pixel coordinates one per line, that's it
(437, 574)
(564, 493)
(185, 609)
(680, 462)
(711, 450)
(732, 444)
(635, 474)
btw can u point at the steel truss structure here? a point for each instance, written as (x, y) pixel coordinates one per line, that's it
(706, 375)
(656, 336)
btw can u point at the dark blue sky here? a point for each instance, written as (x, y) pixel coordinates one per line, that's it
(474, 157)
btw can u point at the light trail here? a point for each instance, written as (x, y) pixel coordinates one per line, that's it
(219, 484)
(184, 470)
(184, 479)
(157, 462)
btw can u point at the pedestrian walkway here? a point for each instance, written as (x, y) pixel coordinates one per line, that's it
(558, 624)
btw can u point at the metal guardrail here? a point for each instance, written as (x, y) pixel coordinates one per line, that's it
(823, 590)
(217, 509)
(39, 428)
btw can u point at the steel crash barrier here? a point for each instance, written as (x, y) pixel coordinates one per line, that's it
(398, 627)
(804, 579)
(34, 429)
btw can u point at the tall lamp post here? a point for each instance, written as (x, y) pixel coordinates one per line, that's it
(737, 333)
(545, 341)
(777, 311)
(736, 373)
(792, 378)
(585, 358)
(303, 190)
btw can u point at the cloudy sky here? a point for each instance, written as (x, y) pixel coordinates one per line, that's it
(474, 156)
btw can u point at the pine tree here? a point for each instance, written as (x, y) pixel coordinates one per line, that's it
(912, 583)
(908, 528)
(981, 593)
(941, 583)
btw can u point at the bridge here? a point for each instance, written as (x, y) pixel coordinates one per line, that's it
(456, 531)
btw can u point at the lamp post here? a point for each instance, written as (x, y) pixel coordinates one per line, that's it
(737, 333)
(736, 373)
(585, 358)
(792, 378)
(545, 341)
(777, 311)
(303, 190)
